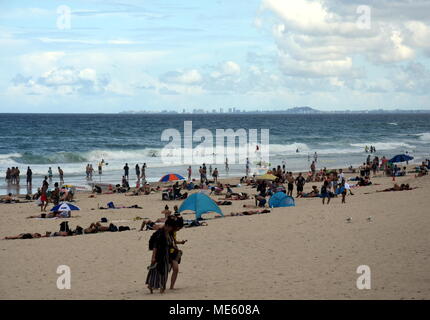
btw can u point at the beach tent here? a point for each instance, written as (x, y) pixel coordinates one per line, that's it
(400, 158)
(200, 204)
(280, 199)
(64, 207)
(171, 177)
(267, 176)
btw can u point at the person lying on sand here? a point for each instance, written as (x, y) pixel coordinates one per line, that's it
(396, 187)
(223, 203)
(56, 214)
(24, 236)
(249, 212)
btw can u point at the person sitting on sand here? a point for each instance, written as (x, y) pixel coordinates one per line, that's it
(314, 193)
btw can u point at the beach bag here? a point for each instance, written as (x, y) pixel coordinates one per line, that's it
(165, 196)
(111, 205)
(113, 228)
(64, 226)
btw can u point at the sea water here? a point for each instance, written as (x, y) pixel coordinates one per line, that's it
(71, 141)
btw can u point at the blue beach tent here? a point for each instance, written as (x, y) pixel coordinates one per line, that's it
(280, 199)
(200, 204)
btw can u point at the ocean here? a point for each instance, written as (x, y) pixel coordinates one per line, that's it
(71, 141)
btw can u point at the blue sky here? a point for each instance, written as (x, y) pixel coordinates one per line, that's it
(249, 54)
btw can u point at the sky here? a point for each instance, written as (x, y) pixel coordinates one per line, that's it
(110, 56)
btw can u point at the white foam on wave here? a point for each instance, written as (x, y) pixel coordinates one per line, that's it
(425, 136)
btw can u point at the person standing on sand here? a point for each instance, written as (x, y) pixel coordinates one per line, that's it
(50, 174)
(126, 169)
(247, 167)
(315, 156)
(137, 168)
(143, 172)
(189, 173)
(44, 196)
(290, 180)
(226, 165)
(215, 175)
(29, 176)
(313, 168)
(61, 174)
(160, 243)
(300, 182)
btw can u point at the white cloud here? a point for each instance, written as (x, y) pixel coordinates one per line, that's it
(322, 38)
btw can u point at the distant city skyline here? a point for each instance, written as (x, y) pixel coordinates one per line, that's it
(109, 57)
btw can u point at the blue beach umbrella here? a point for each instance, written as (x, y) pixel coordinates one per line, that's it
(200, 204)
(64, 207)
(280, 199)
(400, 158)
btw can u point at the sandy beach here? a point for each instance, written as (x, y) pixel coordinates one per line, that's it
(309, 251)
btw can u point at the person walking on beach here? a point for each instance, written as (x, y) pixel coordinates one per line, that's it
(160, 243)
(175, 254)
(126, 169)
(315, 156)
(29, 176)
(247, 167)
(189, 173)
(300, 182)
(226, 165)
(325, 192)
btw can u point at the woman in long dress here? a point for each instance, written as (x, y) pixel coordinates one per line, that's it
(160, 243)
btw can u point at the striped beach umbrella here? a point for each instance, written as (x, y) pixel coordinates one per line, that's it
(171, 177)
